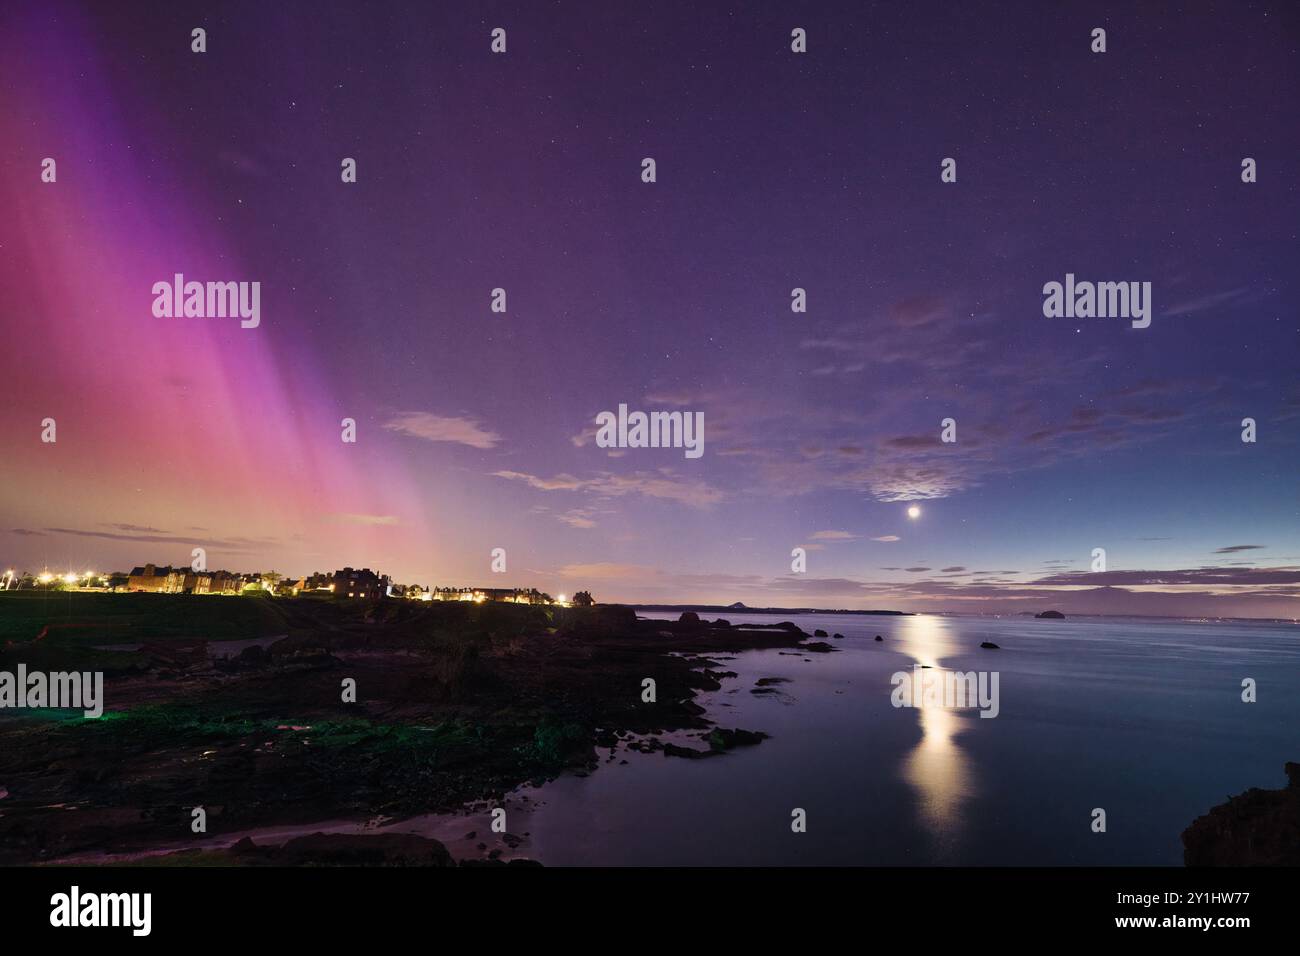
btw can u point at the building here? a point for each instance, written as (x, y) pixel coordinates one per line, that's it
(149, 578)
(169, 580)
(479, 595)
(363, 583)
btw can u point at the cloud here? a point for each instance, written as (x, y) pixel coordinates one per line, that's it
(1190, 306)
(238, 545)
(907, 442)
(439, 428)
(27, 533)
(573, 517)
(558, 483)
(917, 311)
(889, 538)
(362, 519)
(917, 570)
(606, 570)
(953, 570)
(1222, 576)
(1233, 549)
(671, 398)
(663, 484)
(833, 536)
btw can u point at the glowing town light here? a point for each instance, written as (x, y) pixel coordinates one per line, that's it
(45, 578)
(560, 599)
(69, 579)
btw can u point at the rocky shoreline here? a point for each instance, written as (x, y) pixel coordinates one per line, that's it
(456, 703)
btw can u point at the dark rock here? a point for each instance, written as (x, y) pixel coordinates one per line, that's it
(989, 644)
(375, 849)
(494, 862)
(246, 845)
(839, 637)
(820, 633)
(1054, 615)
(720, 739)
(1256, 828)
(689, 617)
(672, 750)
(879, 638)
(766, 681)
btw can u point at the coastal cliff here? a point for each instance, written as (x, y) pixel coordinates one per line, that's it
(1256, 828)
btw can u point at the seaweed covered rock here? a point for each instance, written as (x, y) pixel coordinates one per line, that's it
(721, 739)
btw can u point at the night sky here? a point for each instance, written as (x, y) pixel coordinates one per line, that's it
(775, 170)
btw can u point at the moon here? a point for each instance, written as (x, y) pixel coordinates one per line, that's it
(914, 512)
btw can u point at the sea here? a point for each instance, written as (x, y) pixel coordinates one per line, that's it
(1142, 719)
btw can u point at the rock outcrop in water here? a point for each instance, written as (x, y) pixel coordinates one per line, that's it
(720, 739)
(1052, 615)
(1256, 828)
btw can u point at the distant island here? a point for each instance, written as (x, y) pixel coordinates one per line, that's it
(1054, 615)
(715, 608)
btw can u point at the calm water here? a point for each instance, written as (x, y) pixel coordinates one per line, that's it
(1142, 718)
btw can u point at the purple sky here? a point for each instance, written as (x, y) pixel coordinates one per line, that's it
(774, 170)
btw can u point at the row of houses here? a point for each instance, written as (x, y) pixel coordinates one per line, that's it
(353, 583)
(169, 580)
(508, 595)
